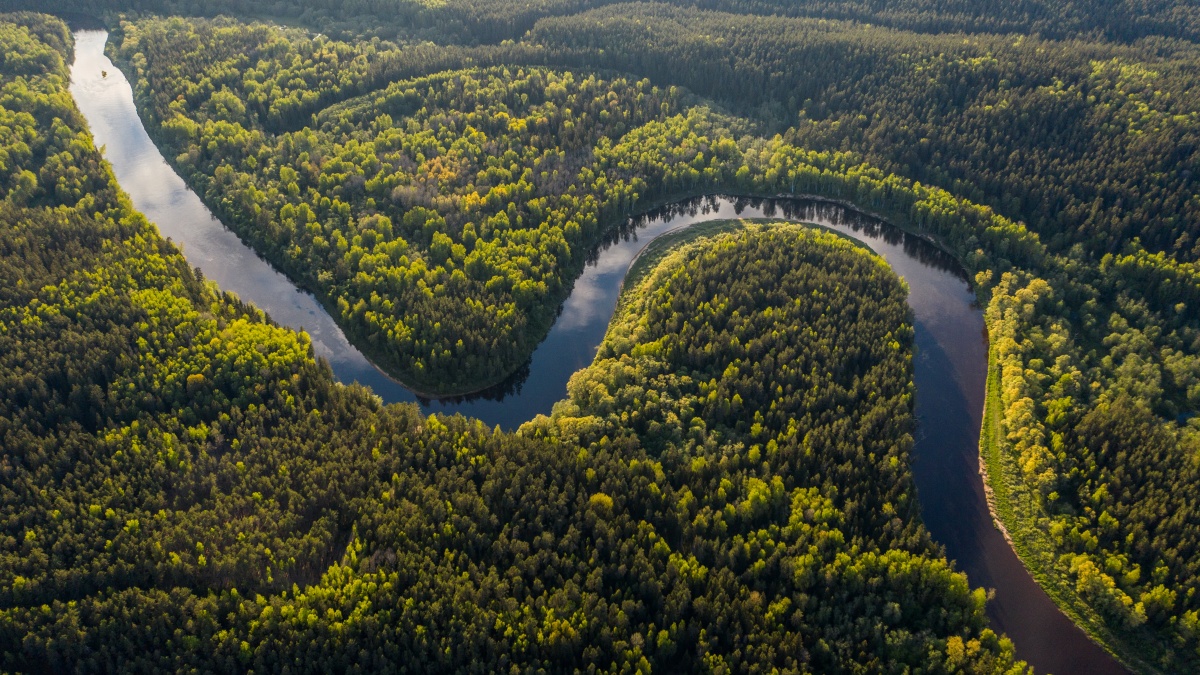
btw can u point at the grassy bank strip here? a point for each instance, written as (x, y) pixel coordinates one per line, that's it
(663, 253)
(648, 258)
(1015, 512)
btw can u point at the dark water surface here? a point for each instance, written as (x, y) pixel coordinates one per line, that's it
(950, 365)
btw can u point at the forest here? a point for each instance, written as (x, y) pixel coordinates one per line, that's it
(186, 488)
(474, 22)
(1063, 186)
(439, 176)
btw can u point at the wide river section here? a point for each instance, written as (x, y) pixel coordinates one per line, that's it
(950, 364)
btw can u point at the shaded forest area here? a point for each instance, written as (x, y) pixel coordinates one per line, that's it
(473, 22)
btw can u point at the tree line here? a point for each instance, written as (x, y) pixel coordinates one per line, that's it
(466, 21)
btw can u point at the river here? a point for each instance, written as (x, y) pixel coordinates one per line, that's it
(949, 369)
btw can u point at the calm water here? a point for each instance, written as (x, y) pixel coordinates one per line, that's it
(950, 365)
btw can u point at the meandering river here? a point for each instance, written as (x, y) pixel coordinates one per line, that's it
(949, 369)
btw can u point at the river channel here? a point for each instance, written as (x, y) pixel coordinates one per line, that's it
(949, 369)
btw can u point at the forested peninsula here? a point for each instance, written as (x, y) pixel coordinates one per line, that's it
(727, 486)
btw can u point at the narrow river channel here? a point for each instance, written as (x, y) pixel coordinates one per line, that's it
(950, 365)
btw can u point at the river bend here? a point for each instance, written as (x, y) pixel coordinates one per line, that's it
(950, 364)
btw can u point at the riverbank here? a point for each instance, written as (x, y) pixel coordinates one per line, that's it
(1013, 510)
(1016, 516)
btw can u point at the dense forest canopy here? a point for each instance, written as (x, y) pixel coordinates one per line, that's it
(1088, 143)
(438, 173)
(473, 21)
(185, 488)
(1084, 251)
(442, 218)
(433, 207)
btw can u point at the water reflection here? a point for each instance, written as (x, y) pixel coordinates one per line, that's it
(510, 388)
